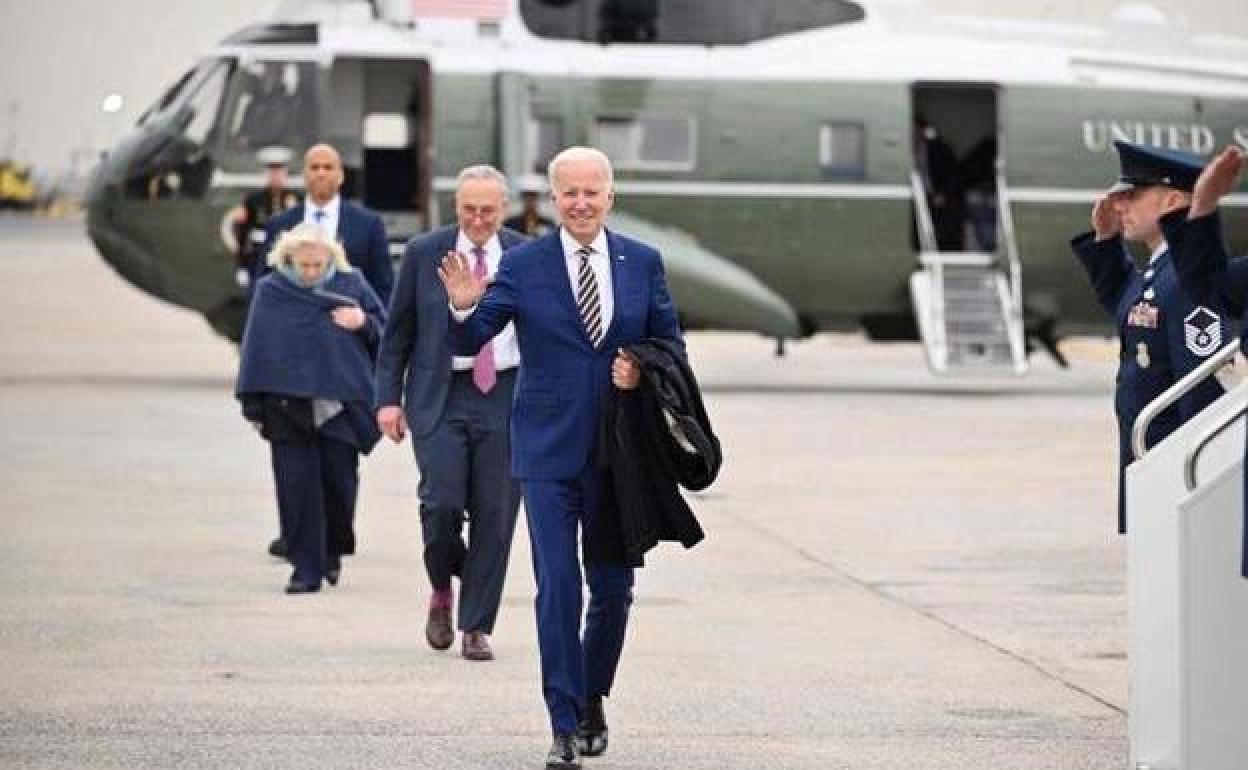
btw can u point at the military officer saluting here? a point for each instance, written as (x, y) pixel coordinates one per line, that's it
(257, 209)
(1163, 334)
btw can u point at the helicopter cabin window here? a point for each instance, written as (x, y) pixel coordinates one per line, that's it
(842, 150)
(542, 141)
(167, 98)
(274, 103)
(698, 22)
(647, 142)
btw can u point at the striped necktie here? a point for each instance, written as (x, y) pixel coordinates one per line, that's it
(587, 297)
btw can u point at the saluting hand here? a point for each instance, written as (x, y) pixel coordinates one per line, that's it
(625, 371)
(462, 287)
(1105, 221)
(390, 422)
(1219, 178)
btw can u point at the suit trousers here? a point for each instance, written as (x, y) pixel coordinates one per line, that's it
(574, 667)
(317, 482)
(465, 468)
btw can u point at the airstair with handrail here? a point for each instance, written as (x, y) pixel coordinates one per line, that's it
(968, 304)
(1187, 597)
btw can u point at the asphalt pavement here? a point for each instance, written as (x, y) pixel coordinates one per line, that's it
(900, 571)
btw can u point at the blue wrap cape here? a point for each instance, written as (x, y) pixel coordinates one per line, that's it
(292, 347)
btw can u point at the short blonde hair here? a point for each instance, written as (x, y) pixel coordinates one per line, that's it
(581, 153)
(308, 234)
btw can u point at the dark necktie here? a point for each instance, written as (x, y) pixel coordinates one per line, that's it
(587, 297)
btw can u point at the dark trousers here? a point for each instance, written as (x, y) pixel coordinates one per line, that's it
(465, 467)
(317, 482)
(574, 667)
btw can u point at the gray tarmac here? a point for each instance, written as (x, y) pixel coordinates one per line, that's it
(900, 571)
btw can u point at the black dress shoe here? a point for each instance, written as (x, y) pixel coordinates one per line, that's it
(278, 548)
(563, 754)
(300, 587)
(591, 733)
(333, 570)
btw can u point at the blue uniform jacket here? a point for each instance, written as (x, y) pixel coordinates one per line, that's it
(362, 235)
(1163, 336)
(414, 365)
(563, 379)
(1208, 274)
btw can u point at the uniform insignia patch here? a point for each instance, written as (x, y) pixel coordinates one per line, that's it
(1202, 331)
(1141, 356)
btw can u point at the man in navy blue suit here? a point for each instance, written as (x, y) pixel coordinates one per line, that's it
(577, 296)
(361, 233)
(459, 411)
(359, 230)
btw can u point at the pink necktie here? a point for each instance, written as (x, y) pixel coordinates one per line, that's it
(483, 374)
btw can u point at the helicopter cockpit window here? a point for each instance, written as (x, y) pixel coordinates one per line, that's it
(167, 98)
(205, 103)
(176, 162)
(273, 103)
(702, 22)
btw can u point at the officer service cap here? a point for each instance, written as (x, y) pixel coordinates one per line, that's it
(1143, 166)
(274, 156)
(531, 183)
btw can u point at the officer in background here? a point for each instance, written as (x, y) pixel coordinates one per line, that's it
(530, 220)
(1163, 334)
(251, 218)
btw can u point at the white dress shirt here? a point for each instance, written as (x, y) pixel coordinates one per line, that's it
(330, 221)
(599, 262)
(506, 351)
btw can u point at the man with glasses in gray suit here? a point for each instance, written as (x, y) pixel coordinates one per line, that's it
(459, 412)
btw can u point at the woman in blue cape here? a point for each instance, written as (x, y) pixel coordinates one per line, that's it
(305, 381)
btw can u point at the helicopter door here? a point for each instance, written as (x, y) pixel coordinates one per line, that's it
(967, 293)
(381, 121)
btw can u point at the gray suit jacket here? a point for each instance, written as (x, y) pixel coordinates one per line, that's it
(414, 364)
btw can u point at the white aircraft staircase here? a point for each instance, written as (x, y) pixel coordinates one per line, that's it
(968, 305)
(1186, 597)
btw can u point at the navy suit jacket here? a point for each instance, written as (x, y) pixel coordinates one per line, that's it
(563, 379)
(414, 365)
(361, 233)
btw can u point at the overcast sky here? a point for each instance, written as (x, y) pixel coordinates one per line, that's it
(60, 58)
